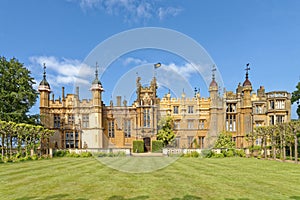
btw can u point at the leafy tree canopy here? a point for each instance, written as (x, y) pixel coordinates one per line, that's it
(17, 95)
(165, 132)
(224, 141)
(296, 98)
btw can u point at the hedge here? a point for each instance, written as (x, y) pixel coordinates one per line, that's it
(157, 146)
(138, 146)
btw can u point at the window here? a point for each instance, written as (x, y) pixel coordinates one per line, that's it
(258, 141)
(56, 121)
(71, 119)
(175, 109)
(71, 140)
(280, 104)
(190, 109)
(258, 123)
(231, 107)
(230, 123)
(111, 129)
(190, 124)
(272, 106)
(190, 141)
(177, 125)
(127, 128)
(201, 124)
(201, 142)
(146, 117)
(258, 109)
(279, 119)
(272, 120)
(85, 121)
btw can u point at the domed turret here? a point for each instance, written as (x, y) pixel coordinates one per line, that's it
(44, 85)
(247, 82)
(213, 84)
(96, 84)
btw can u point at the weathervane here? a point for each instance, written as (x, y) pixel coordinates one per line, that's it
(96, 72)
(44, 70)
(247, 69)
(213, 71)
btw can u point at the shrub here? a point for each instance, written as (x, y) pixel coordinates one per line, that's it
(240, 153)
(86, 154)
(207, 153)
(257, 147)
(75, 155)
(157, 146)
(138, 146)
(60, 153)
(218, 155)
(100, 154)
(229, 153)
(34, 157)
(110, 154)
(195, 154)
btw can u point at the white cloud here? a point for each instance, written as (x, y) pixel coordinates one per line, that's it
(135, 61)
(131, 10)
(169, 11)
(185, 70)
(63, 71)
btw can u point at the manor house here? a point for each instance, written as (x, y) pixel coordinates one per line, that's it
(81, 123)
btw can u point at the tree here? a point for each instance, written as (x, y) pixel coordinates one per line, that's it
(295, 129)
(17, 95)
(225, 141)
(296, 98)
(165, 133)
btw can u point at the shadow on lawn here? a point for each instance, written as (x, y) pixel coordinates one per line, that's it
(186, 197)
(51, 197)
(295, 197)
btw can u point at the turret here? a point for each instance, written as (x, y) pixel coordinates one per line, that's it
(213, 89)
(97, 89)
(247, 88)
(44, 90)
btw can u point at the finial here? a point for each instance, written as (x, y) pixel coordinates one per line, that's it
(213, 71)
(44, 70)
(96, 72)
(247, 69)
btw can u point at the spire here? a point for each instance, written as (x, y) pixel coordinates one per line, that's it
(44, 85)
(247, 82)
(213, 82)
(96, 80)
(96, 84)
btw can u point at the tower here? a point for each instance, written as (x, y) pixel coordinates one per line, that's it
(97, 111)
(44, 90)
(246, 108)
(214, 101)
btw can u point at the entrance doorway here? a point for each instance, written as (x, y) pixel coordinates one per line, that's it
(147, 144)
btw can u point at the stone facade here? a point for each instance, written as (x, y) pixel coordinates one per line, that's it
(197, 120)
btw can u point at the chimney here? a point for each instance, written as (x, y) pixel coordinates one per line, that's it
(118, 100)
(77, 92)
(63, 93)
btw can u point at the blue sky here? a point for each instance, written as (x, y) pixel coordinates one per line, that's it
(62, 33)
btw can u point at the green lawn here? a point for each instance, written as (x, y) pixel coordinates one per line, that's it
(186, 178)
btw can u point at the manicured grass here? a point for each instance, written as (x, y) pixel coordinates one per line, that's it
(187, 178)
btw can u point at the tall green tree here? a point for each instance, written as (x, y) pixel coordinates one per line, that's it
(296, 98)
(165, 132)
(17, 95)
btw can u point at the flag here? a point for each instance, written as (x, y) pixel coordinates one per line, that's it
(157, 65)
